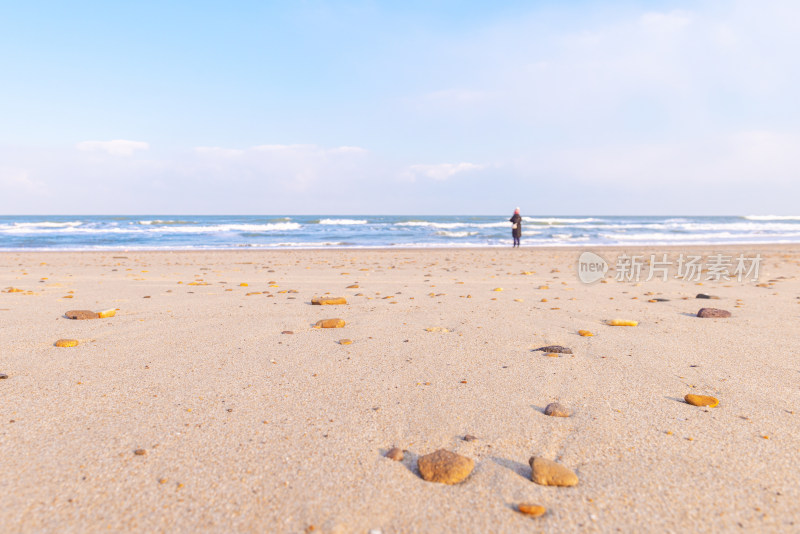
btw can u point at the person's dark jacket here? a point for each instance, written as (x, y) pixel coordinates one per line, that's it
(516, 219)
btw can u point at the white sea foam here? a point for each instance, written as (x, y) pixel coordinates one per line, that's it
(445, 233)
(772, 217)
(343, 222)
(558, 220)
(46, 224)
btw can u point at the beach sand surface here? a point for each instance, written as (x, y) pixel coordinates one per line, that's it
(243, 428)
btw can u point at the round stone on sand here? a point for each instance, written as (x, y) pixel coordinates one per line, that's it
(67, 343)
(713, 313)
(701, 400)
(396, 454)
(445, 467)
(533, 510)
(555, 409)
(549, 473)
(81, 315)
(330, 323)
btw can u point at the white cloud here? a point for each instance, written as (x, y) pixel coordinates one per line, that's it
(666, 22)
(442, 171)
(117, 147)
(20, 180)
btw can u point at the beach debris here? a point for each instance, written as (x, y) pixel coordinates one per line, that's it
(445, 467)
(585, 333)
(555, 409)
(330, 323)
(140, 452)
(82, 314)
(713, 313)
(549, 473)
(701, 400)
(554, 349)
(622, 322)
(437, 329)
(327, 301)
(396, 454)
(345, 342)
(66, 343)
(532, 510)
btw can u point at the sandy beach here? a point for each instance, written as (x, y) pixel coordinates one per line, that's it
(210, 403)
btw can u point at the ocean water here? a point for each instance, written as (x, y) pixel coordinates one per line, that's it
(291, 231)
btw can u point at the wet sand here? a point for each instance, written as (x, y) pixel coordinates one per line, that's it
(244, 428)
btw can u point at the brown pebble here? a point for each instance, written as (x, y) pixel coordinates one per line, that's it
(81, 315)
(533, 510)
(287, 332)
(713, 313)
(327, 301)
(558, 349)
(395, 454)
(3, 376)
(469, 437)
(549, 473)
(555, 409)
(140, 452)
(445, 467)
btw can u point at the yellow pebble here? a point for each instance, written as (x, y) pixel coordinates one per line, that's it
(701, 400)
(67, 343)
(622, 322)
(585, 333)
(533, 510)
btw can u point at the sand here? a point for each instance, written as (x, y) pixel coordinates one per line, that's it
(239, 427)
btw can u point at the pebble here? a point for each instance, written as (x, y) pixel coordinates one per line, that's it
(287, 332)
(585, 333)
(701, 400)
(469, 437)
(330, 323)
(326, 301)
(345, 342)
(66, 343)
(622, 322)
(140, 452)
(705, 296)
(82, 314)
(558, 349)
(445, 467)
(437, 329)
(3, 376)
(713, 313)
(533, 510)
(549, 473)
(396, 454)
(555, 409)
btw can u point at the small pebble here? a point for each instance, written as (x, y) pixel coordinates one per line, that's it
(66, 343)
(713, 313)
(549, 473)
(140, 452)
(396, 454)
(701, 400)
(555, 349)
(469, 437)
(3, 376)
(585, 333)
(533, 510)
(555, 409)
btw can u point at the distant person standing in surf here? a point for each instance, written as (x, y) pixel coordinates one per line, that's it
(516, 227)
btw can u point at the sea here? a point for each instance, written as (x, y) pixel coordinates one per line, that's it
(203, 232)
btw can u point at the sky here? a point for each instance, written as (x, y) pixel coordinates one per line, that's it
(416, 107)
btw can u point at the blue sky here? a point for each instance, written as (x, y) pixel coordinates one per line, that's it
(386, 107)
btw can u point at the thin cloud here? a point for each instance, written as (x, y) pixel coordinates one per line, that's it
(443, 171)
